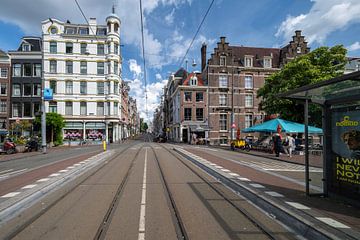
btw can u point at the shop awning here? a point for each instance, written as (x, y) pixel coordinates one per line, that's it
(199, 128)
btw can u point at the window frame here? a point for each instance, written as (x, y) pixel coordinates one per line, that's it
(2, 87)
(100, 68)
(249, 100)
(69, 111)
(53, 66)
(83, 87)
(4, 71)
(222, 99)
(83, 67)
(69, 87)
(14, 90)
(223, 122)
(69, 48)
(26, 67)
(53, 47)
(69, 67)
(83, 105)
(25, 85)
(17, 69)
(197, 98)
(197, 115)
(187, 96)
(99, 50)
(247, 83)
(222, 78)
(187, 116)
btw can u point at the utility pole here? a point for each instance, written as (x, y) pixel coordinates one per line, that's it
(232, 104)
(43, 114)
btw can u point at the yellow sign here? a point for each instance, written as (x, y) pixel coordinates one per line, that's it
(347, 123)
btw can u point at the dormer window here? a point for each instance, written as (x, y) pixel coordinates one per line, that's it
(267, 62)
(53, 30)
(70, 30)
(193, 81)
(222, 60)
(248, 61)
(26, 47)
(84, 31)
(298, 49)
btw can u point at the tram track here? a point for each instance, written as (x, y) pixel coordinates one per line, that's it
(242, 211)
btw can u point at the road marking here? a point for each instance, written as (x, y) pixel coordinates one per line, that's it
(14, 172)
(77, 164)
(225, 170)
(244, 179)
(255, 185)
(9, 170)
(63, 171)
(29, 186)
(210, 149)
(234, 174)
(43, 180)
(141, 235)
(298, 205)
(9, 195)
(71, 167)
(274, 194)
(332, 222)
(55, 175)
(219, 167)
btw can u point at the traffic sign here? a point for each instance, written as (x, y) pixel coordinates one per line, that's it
(233, 125)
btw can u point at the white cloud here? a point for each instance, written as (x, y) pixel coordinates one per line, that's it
(169, 19)
(134, 68)
(325, 17)
(353, 47)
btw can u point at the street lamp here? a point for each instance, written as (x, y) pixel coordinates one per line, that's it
(232, 102)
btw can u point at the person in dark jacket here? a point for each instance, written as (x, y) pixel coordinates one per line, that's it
(277, 144)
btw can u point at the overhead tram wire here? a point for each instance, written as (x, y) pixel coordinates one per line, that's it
(143, 52)
(197, 31)
(82, 13)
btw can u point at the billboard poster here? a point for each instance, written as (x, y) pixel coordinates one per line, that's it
(346, 150)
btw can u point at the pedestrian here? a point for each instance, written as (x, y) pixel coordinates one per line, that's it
(277, 144)
(289, 144)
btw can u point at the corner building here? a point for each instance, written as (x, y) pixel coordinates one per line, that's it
(82, 65)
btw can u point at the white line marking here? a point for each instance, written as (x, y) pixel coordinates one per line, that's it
(43, 180)
(9, 170)
(332, 222)
(77, 164)
(298, 205)
(234, 174)
(71, 167)
(219, 167)
(55, 175)
(214, 150)
(141, 235)
(63, 171)
(9, 195)
(29, 186)
(244, 179)
(255, 185)
(14, 172)
(274, 194)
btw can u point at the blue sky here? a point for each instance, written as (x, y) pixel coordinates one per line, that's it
(171, 24)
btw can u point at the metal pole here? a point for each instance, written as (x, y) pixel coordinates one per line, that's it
(232, 104)
(307, 180)
(43, 113)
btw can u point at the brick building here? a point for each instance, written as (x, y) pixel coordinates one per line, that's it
(234, 74)
(4, 93)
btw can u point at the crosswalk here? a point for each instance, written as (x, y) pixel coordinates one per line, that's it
(276, 166)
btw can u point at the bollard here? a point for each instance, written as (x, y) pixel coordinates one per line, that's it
(104, 145)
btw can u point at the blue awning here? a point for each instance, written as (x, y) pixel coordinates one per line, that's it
(286, 126)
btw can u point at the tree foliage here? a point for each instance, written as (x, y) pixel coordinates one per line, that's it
(54, 125)
(319, 65)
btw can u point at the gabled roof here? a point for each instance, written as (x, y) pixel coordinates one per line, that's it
(200, 82)
(239, 53)
(35, 43)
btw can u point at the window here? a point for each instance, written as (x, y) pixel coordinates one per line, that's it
(116, 67)
(101, 31)
(26, 47)
(69, 47)
(68, 87)
(37, 70)
(53, 47)
(100, 109)
(109, 48)
(249, 100)
(27, 70)
(199, 114)
(107, 88)
(116, 27)
(100, 49)
(16, 109)
(3, 88)
(100, 68)
(69, 67)
(70, 30)
(222, 100)
(199, 96)
(36, 108)
(4, 72)
(3, 106)
(267, 62)
(53, 66)
(108, 64)
(27, 109)
(27, 89)
(83, 47)
(84, 31)
(37, 90)
(223, 81)
(248, 62)
(16, 90)
(53, 106)
(17, 70)
(193, 81)
(107, 108)
(82, 108)
(83, 67)
(187, 96)
(83, 87)
(100, 88)
(249, 82)
(68, 108)
(116, 48)
(116, 111)
(187, 114)
(116, 88)
(53, 30)
(223, 122)
(53, 86)
(223, 140)
(298, 49)
(248, 121)
(222, 60)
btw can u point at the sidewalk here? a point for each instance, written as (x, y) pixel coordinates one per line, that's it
(334, 214)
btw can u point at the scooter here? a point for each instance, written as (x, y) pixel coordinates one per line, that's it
(8, 147)
(31, 145)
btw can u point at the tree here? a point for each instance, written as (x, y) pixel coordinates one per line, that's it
(319, 65)
(144, 127)
(54, 125)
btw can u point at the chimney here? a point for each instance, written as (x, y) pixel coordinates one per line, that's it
(92, 26)
(203, 56)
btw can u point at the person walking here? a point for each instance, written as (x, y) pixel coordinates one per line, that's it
(289, 144)
(277, 144)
